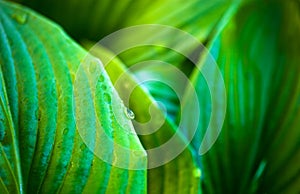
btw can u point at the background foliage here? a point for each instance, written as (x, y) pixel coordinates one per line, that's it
(255, 44)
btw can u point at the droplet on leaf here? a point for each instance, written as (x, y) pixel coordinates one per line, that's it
(103, 87)
(82, 146)
(65, 131)
(101, 78)
(107, 98)
(129, 114)
(21, 18)
(93, 66)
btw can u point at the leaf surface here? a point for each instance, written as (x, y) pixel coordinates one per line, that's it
(60, 115)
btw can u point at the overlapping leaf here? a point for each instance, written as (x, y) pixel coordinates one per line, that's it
(255, 69)
(280, 146)
(179, 175)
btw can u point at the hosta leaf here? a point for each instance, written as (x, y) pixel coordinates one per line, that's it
(178, 175)
(62, 120)
(249, 56)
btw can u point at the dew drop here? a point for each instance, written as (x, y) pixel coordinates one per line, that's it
(107, 98)
(21, 18)
(101, 78)
(197, 172)
(65, 131)
(93, 66)
(103, 87)
(59, 145)
(129, 113)
(136, 153)
(82, 146)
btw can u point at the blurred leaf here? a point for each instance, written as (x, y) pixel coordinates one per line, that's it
(57, 112)
(250, 58)
(100, 18)
(281, 146)
(95, 19)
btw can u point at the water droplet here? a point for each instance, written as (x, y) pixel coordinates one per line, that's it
(21, 18)
(65, 131)
(93, 66)
(82, 146)
(59, 145)
(25, 100)
(129, 114)
(103, 87)
(197, 172)
(101, 78)
(137, 153)
(107, 98)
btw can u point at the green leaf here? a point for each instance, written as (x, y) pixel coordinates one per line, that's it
(62, 120)
(249, 54)
(170, 171)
